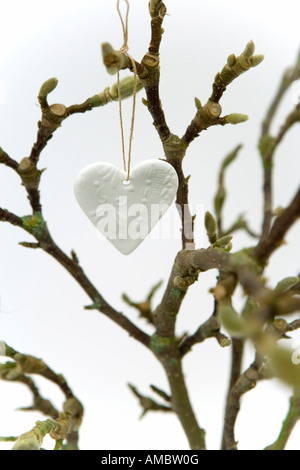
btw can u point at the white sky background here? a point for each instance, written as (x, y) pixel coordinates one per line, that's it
(41, 306)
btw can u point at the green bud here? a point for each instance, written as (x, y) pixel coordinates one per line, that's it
(236, 118)
(267, 146)
(223, 241)
(219, 199)
(126, 87)
(285, 365)
(224, 342)
(210, 223)
(249, 50)
(228, 247)
(257, 59)
(107, 49)
(145, 102)
(278, 211)
(231, 60)
(47, 87)
(286, 284)
(231, 321)
(198, 103)
(112, 59)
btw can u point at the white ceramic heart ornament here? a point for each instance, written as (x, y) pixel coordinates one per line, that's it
(125, 212)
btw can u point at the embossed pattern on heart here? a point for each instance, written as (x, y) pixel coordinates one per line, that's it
(126, 212)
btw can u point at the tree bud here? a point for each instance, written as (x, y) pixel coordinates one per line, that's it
(249, 50)
(47, 87)
(236, 118)
(286, 284)
(257, 59)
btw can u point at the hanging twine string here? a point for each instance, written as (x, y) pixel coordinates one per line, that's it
(124, 50)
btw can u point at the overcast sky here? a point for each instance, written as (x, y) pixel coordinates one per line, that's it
(41, 306)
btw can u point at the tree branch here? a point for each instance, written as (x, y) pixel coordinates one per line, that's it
(221, 191)
(37, 227)
(147, 403)
(269, 144)
(6, 160)
(209, 329)
(236, 369)
(10, 373)
(280, 227)
(49, 246)
(32, 365)
(289, 76)
(6, 216)
(209, 114)
(289, 423)
(144, 307)
(66, 425)
(246, 382)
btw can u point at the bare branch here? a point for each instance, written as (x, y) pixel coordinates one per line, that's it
(289, 76)
(9, 373)
(6, 216)
(161, 393)
(209, 114)
(147, 403)
(144, 307)
(246, 382)
(209, 329)
(6, 160)
(280, 227)
(288, 425)
(221, 191)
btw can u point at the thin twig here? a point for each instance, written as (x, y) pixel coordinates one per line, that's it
(6, 160)
(280, 227)
(290, 75)
(236, 369)
(288, 425)
(246, 382)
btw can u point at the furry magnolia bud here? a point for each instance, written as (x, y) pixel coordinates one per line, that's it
(224, 241)
(210, 223)
(211, 227)
(126, 87)
(236, 118)
(249, 50)
(285, 365)
(112, 59)
(286, 284)
(231, 60)
(47, 87)
(198, 103)
(256, 59)
(231, 321)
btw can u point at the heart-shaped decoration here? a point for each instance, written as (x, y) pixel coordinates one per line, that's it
(125, 212)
